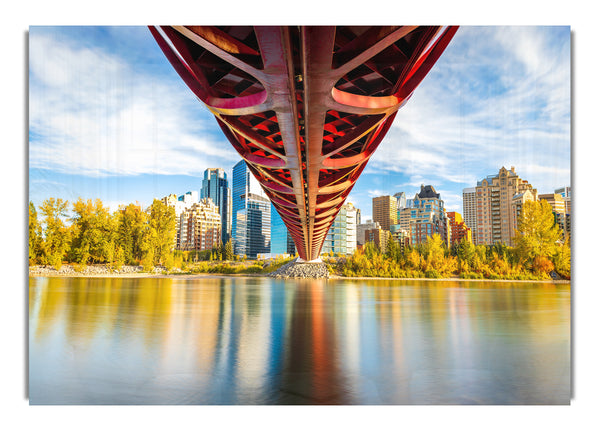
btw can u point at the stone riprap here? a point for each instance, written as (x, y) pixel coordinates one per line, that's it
(87, 270)
(296, 269)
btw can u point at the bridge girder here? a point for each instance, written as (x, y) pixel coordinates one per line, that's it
(305, 107)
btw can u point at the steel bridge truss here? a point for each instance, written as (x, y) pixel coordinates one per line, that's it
(305, 107)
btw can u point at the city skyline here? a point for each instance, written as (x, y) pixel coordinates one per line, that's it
(110, 119)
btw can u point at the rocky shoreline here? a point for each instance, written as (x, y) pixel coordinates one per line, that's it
(295, 269)
(289, 270)
(90, 270)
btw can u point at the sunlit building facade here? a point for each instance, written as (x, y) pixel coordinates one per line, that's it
(216, 187)
(385, 211)
(427, 216)
(179, 205)
(494, 196)
(200, 226)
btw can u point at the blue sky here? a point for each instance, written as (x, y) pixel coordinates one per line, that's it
(109, 118)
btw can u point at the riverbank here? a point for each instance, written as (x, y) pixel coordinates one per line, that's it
(160, 272)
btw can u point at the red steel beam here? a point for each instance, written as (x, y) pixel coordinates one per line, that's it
(305, 107)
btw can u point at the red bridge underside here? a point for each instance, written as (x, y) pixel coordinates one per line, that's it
(305, 107)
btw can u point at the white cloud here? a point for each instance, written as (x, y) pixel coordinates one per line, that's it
(376, 193)
(498, 96)
(94, 114)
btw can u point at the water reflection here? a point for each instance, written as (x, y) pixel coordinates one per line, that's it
(263, 341)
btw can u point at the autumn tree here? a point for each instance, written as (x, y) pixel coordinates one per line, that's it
(35, 236)
(537, 233)
(159, 236)
(57, 235)
(562, 260)
(131, 222)
(93, 232)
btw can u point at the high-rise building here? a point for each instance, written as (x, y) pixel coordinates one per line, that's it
(495, 216)
(427, 216)
(200, 226)
(216, 187)
(341, 237)
(470, 209)
(458, 228)
(189, 198)
(379, 237)
(251, 214)
(400, 200)
(385, 211)
(361, 228)
(281, 240)
(179, 205)
(559, 208)
(565, 192)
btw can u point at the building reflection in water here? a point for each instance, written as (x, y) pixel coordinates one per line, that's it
(264, 341)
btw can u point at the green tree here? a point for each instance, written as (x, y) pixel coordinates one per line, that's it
(56, 233)
(228, 253)
(35, 236)
(370, 249)
(119, 257)
(394, 251)
(465, 251)
(537, 233)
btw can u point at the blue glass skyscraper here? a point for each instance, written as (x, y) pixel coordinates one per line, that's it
(214, 186)
(250, 215)
(281, 240)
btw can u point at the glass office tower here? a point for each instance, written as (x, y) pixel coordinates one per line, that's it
(250, 215)
(281, 240)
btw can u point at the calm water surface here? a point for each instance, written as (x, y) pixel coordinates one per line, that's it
(265, 341)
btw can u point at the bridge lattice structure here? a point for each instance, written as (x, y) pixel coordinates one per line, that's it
(305, 107)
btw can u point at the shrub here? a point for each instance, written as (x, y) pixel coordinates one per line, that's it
(542, 265)
(432, 273)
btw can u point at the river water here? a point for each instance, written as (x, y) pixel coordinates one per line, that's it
(255, 340)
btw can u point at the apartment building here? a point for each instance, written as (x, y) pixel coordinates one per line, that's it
(494, 199)
(200, 226)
